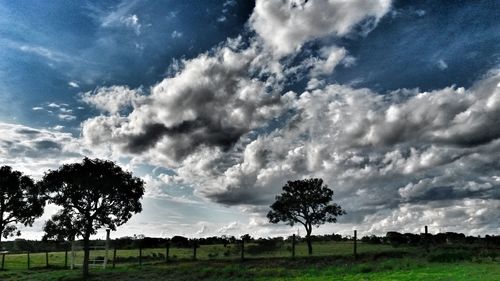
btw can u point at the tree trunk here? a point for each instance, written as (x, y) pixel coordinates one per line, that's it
(86, 254)
(309, 244)
(308, 238)
(1, 235)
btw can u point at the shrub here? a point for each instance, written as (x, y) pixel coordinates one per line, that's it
(264, 246)
(450, 256)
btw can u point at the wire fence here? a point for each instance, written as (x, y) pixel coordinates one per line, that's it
(116, 256)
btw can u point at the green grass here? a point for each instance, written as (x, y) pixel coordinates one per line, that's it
(204, 252)
(331, 261)
(315, 268)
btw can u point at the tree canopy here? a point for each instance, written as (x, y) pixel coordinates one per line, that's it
(20, 201)
(93, 194)
(307, 202)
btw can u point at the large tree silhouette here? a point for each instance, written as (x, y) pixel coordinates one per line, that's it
(20, 201)
(307, 202)
(93, 194)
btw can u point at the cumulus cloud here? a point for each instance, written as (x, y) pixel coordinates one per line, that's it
(329, 58)
(224, 123)
(379, 153)
(211, 102)
(286, 25)
(112, 99)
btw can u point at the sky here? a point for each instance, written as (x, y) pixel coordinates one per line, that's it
(217, 104)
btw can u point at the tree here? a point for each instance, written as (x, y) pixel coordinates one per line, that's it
(92, 195)
(306, 202)
(20, 201)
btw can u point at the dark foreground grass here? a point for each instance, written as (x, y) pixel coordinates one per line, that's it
(391, 266)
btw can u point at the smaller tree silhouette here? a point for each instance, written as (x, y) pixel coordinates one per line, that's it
(93, 194)
(306, 202)
(20, 201)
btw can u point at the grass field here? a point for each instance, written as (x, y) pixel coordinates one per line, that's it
(204, 252)
(332, 261)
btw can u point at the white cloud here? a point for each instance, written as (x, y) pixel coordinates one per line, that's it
(132, 21)
(378, 153)
(232, 226)
(119, 16)
(57, 128)
(33, 151)
(441, 64)
(388, 157)
(176, 34)
(329, 58)
(286, 25)
(45, 52)
(73, 84)
(112, 99)
(66, 117)
(229, 3)
(211, 102)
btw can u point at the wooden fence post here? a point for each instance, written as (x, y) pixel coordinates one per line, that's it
(114, 257)
(293, 246)
(106, 249)
(242, 249)
(355, 244)
(140, 256)
(46, 259)
(194, 250)
(28, 260)
(3, 261)
(66, 258)
(426, 239)
(167, 251)
(73, 254)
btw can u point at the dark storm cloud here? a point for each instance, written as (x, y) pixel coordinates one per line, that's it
(186, 137)
(237, 194)
(47, 145)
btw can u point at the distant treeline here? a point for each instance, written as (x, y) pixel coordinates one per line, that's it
(392, 238)
(396, 239)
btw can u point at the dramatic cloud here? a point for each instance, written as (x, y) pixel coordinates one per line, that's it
(224, 124)
(381, 154)
(211, 102)
(286, 25)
